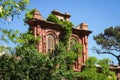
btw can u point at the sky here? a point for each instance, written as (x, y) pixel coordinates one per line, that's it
(98, 14)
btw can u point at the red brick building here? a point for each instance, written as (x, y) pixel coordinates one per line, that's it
(50, 34)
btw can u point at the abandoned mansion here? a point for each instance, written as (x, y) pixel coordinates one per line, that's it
(51, 32)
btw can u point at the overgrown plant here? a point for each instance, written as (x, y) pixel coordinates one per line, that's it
(91, 71)
(27, 63)
(97, 70)
(66, 26)
(29, 14)
(71, 55)
(10, 8)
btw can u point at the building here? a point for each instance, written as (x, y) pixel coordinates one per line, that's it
(50, 33)
(116, 69)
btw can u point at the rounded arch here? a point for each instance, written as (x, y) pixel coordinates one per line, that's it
(75, 37)
(51, 32)
(73, 40)
(50, 41)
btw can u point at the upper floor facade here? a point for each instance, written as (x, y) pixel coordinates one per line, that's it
(50, 33)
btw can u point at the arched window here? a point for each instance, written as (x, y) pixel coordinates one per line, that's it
(50, 43)
(75, 48)
(73, 42)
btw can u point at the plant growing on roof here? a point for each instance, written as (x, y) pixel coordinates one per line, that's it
(71, 54)
(66, 26)
(29, 14)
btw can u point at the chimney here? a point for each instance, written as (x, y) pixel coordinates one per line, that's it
(61, 16)
(83, 26)
(37, 15)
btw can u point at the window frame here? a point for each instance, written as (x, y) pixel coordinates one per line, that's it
(53, 35)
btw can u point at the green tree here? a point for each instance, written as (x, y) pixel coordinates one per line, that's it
(109, 41)
(25, 62)
(9, 8)
(97, 70)
(66, 26)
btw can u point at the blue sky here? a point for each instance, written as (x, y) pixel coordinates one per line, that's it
(98, 14)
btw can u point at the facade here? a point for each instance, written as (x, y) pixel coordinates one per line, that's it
(116, 69)
(50, 33)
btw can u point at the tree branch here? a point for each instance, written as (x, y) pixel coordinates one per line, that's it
(103, 52)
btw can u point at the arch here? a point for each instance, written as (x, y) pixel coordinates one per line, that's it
(50, 41)
(73, 36)
(73, 40)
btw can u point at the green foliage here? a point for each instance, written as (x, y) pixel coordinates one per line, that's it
(9, 35)
(71, 55)
(4, 49)
(29, 14)
(109, 41)
(9, 8)
(66, 26)
(53, 18)
(97, 70)
(67, 31)
(25, 62)
(28, 39)
(21, 67)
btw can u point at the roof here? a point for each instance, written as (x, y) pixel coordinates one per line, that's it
(56, 26)
(115, 67)
(61, 14)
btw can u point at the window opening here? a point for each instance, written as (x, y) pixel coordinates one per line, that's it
(50, 43)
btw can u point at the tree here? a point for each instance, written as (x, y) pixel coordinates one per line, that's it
(9, 8)
(109, 41)
(25, 62)
(97, 70)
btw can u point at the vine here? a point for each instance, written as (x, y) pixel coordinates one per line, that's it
(66, 28)
(29, 14)
(71, 54)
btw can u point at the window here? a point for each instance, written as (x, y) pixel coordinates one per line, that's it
(73, 47)
(50, 43)
(73, 42)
